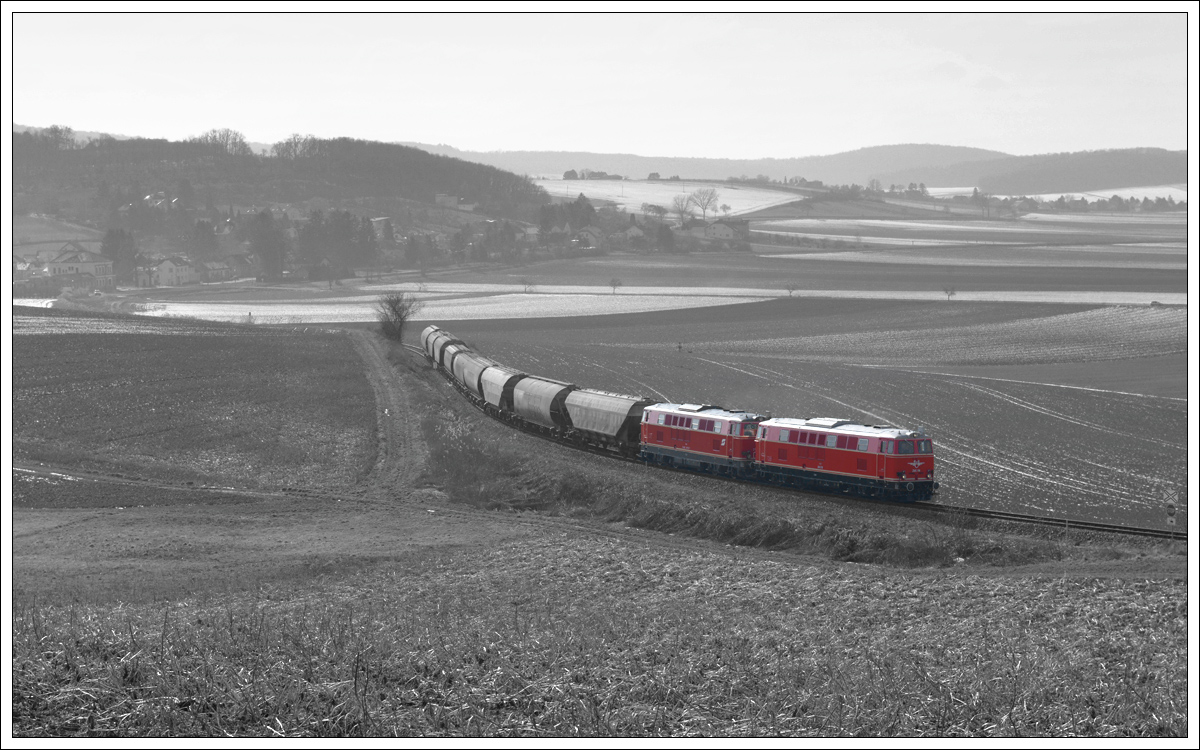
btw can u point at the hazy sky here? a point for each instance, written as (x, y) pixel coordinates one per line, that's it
(663, 85)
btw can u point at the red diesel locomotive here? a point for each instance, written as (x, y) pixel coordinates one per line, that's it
(827, 455)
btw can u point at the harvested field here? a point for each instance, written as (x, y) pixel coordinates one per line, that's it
(194, 402)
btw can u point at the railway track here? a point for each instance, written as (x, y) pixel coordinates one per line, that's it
(1066, 524)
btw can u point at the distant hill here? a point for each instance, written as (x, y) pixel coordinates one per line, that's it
(849, 167)
(1079, 171)
(340, 168)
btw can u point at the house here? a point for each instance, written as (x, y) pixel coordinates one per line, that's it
(728, 229)
(527, 235)
(590, 236)
(631, 232)
(23, 269)
(241, 265)
(215, 270)
(73, 259)
(174, 271)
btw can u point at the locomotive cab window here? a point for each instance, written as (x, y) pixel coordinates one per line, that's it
(660, 418)
(862, 444)
(904, 447)
(924, 446)
(831, 441)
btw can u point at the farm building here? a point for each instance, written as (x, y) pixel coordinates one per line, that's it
(728, 229)
(73, 259)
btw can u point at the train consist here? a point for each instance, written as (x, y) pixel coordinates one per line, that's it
(822, 454)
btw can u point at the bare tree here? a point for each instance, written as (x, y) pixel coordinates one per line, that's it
(229, 141)
(614, 283)
(682, 207)
(527, 284)
(655, 210)
(949, 291)
(791, 286)
(394, 311)
(705, 199)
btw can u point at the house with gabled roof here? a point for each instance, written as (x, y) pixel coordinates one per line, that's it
(72, 259)
(728, 229)
(590, 236)
(175, 271)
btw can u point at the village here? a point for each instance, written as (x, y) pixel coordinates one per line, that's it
(224, 248)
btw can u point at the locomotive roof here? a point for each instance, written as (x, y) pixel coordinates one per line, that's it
(708, 410)
(844, 426)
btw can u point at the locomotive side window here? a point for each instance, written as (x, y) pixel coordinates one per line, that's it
(862, 444)
(904, 447)
(661, 418)
(831, 441)
(783, 436)
(924, 446)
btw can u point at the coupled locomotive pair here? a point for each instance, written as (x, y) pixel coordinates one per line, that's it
(822, 454)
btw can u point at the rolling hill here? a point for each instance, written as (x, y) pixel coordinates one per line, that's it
(844, 168)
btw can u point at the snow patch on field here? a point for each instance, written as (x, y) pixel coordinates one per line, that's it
(468, 308)
(1043, 257)
(1177, 191)
(629, 195)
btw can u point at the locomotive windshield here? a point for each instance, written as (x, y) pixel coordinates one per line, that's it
(924, 446)
(748, 429)
(904, 447)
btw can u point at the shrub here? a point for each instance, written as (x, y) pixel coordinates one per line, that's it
(394, 310)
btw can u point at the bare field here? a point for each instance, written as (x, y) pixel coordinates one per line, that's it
(259, 406)
(1014, 444)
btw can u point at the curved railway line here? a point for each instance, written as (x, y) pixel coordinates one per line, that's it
(1066, 524)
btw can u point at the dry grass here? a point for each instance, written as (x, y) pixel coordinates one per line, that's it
(594, 637)
(480, 465)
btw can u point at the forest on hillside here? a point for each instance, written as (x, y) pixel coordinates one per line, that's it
(50, 168)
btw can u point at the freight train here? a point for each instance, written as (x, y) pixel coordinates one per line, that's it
(820, 454)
